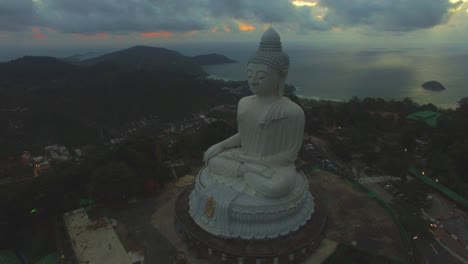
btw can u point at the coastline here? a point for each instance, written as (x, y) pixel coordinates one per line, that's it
(317, 98)
(298, 94)
(334, 100)
(215, 77)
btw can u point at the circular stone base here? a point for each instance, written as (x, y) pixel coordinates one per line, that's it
(291, 248)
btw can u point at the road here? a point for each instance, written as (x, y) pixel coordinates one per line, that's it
(136, 220)
(434, 253)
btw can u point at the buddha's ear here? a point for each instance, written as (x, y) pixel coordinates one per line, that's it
(281, 83)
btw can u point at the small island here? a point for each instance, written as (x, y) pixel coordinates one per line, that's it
(212, 59)
(433, 86)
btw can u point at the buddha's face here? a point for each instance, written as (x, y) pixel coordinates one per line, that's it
(262, 79)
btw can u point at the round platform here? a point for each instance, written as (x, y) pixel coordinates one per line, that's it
(291, 248)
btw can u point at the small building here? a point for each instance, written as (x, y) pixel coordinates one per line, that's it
(209, 120)
(428, 117)
(78, 152)
(94, 242)
(52, 148)
(26, 158)
(39, 159)
(40, 168)
(115, 141)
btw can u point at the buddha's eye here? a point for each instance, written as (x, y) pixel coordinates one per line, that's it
(261, 76)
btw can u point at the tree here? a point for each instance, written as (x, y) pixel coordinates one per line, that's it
(412, 220)
(394, 161)
(112, 181)
(459, 153)
(343, 149)
(214, 133)
(370, 158)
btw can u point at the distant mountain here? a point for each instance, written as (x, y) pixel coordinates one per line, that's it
(71, 103)
(211, 59)
(433, 86)
(144, 58)
(35, 67)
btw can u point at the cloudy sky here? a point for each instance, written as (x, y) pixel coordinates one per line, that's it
(63, 23)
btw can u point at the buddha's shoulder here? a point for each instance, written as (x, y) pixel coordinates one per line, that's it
(245, 102)
(246, 99)
(291, 108)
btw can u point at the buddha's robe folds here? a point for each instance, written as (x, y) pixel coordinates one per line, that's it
(255, 191)
(270, 140)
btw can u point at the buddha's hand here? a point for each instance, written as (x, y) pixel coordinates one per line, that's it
(212, 151)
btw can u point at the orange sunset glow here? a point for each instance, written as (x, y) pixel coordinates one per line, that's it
(37, 33)
(246, 27)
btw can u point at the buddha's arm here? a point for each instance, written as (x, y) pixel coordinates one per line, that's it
(232, 142)
(214, 150)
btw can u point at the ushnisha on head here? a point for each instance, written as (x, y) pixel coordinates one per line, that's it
(269, 65)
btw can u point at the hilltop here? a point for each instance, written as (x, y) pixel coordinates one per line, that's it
(144, 58)
(73, 103)
(212, 59)
(34, 66)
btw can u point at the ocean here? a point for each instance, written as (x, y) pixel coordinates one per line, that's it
(337, 74)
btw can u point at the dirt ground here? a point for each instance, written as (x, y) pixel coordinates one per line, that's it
(353, 218)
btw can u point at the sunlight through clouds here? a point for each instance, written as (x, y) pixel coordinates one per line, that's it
(304, 3)
(245, 26)
(458, 5)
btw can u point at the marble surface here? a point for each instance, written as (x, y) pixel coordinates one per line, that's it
(250, 187)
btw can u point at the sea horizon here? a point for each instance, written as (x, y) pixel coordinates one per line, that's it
(339, 75)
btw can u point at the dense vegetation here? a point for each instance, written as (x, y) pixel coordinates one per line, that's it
(47, 101)
(376, 135)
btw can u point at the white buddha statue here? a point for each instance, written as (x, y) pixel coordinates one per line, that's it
(250, 187)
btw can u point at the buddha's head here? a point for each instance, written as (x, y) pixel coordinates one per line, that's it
(268, 68)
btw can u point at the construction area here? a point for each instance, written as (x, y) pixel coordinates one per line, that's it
(95, 242)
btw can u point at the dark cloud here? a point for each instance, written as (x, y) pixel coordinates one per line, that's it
(390, 15)
(308, 21)
(17, 15)
(121, 16)
(91, 16)
(262, 10)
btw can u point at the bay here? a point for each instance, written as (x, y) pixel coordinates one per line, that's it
(340, 74)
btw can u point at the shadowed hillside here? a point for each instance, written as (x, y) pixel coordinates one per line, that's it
(144, 58)
(45, 100)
